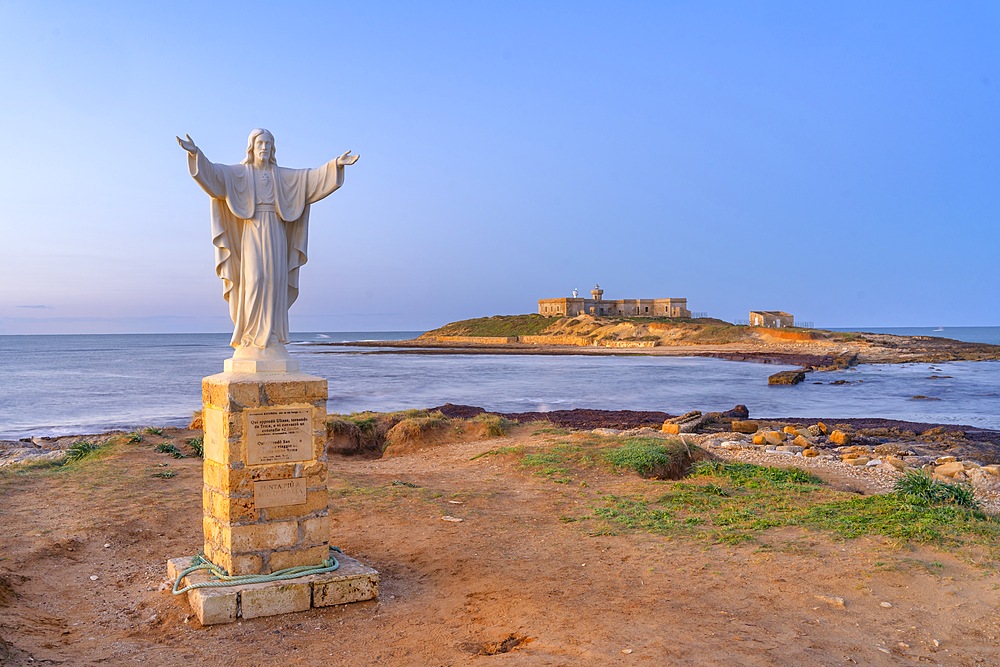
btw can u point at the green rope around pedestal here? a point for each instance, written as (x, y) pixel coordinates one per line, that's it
(223, 578)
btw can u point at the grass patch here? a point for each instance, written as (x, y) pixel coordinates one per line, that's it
(499, 451)
(736, 502)
(152, 430)
(550, 430)
(134, 438)
(554, 463)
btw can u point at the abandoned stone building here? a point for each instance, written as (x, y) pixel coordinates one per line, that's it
(771, 318)
(596, 305)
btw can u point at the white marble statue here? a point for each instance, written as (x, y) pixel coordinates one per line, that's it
(260, 224)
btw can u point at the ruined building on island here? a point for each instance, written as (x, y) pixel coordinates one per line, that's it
(596, 305)
(771, 318)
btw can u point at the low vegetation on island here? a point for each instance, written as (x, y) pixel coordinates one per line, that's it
(810, 348)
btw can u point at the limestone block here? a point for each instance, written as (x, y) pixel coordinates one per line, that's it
(346, 590)
(670, 428)
(840, 438)
(270, 600)
(790, 430)
(742, 426)
(315, 531)
(229, 509)
(823, 428)
(815, 430)
(941, 460)
(264, 536)
(213, 606)
(810, 452)
(280, 560)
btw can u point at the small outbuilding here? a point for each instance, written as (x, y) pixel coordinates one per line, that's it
(775, 319)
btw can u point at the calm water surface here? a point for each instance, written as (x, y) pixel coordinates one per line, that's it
(57, 385)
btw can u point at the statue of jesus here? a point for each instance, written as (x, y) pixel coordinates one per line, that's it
(260, 224)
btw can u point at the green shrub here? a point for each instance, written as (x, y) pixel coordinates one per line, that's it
(651, 457)
(81, 449)
(920, 489)
(198, 445)
(496, 426)
(169, 448)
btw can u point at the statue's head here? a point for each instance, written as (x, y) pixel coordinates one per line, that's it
(260, 147)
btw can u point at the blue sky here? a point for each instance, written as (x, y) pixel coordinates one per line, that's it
(838, 161)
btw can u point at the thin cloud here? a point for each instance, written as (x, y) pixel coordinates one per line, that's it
(39, 307)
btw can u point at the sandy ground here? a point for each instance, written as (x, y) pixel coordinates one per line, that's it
(511, 578)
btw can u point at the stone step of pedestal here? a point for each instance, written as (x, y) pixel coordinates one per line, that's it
(351, 582)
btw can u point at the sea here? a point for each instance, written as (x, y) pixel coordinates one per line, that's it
(52, 385)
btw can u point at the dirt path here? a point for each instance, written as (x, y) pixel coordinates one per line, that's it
(512, 578)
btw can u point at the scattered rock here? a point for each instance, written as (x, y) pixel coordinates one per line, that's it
(768, 438)
(832, 600)
(739, 426)
(452, 519)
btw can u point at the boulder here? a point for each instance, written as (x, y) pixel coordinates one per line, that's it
(949, 469)
(738, 412)
(804, 443)
(771, 438)
(786, 377)
(840, 438)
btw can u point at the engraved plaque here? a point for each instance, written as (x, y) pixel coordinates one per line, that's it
(279, 493)
(278, 435)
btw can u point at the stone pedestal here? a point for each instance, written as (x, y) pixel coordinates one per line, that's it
(265, 499)
(265, 495)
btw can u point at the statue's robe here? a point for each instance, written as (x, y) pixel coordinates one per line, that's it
(260, 236)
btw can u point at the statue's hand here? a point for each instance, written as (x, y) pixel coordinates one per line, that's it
(187, 145)
(347, 159)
